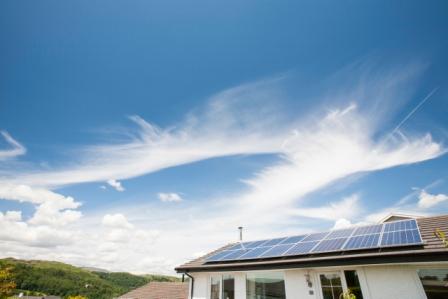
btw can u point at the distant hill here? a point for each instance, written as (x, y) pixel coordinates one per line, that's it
(55, 278)
(94, 269)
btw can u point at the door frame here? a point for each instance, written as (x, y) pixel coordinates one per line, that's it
(341, 275)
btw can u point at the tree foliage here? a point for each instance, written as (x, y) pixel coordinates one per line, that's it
(54, 278)
(7, 284)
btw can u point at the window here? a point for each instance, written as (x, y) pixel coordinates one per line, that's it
(267, 285)
(351, 278)
(435, 282)
(228, 287)
(215, 287)
(222, 287)
(331, 285)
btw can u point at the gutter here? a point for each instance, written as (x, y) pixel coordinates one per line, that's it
(192, 283)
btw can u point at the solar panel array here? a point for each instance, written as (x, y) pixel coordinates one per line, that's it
(390, 234)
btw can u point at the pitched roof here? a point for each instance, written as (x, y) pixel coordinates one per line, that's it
(159, 290)
(433, 249)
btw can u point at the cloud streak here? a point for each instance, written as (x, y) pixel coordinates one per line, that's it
(16, 148)
(313, 151)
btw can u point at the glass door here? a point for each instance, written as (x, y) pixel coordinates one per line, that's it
(331, 285)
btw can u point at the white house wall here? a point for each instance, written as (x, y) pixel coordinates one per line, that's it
(377, 282)
(394, 282)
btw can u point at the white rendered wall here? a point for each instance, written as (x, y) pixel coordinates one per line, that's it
(377, 282)
(393, 282)
(200, 288)
(296, 286)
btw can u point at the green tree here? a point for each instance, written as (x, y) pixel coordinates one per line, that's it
(76, 297)
(7, 284)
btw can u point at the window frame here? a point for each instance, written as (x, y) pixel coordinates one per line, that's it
(427, 267)
(282, 272)
(341, 274)
(221, 285)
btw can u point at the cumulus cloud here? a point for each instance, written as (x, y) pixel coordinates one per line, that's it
(169, 197)
(427, 200)
(342, 223)
(16, 149)
(12, 229)
(51, 208)
(116, 221)
(116, 185)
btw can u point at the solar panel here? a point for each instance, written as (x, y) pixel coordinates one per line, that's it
(255, 244)
(301, 248)
(362, 242)
(390, 234)
(218, 256)
(255, 253)
(403, 237)
(400, 225)
(315, 237)
(235, 254)
(277, 250)
(237, 246)
(340, 233)
(330, 245)
(369, 229)
(274, 241)
(293, 240)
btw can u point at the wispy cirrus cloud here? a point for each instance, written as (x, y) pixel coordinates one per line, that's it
(339, 138)
(16, 149)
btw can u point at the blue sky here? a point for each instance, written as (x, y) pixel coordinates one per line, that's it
(137, 129)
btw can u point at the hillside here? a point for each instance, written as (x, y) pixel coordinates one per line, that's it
(61, 279)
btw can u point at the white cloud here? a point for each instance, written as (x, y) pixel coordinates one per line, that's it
(116, 221)
(315, 150)
(116, 185)
(51, 208)
(16, 148)
(342, 223)
(169, 197)
(12, 229)
(347, 208)
(427, 200)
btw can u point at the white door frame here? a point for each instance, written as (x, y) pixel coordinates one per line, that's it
(341, 275)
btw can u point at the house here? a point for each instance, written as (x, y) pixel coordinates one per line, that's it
(401, 258)
(159, 290)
